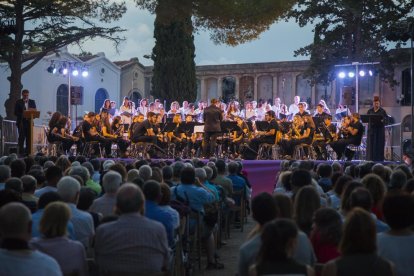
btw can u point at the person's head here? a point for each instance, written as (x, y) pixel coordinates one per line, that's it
(129, 199)
(306, 202)
(187, 176)
(15, 184)
(63, 163)
(324, 170)
(152, 117)
(346, 195)
(233, 167)
(132, 174)
(398, 180)
(25, 94)
(5, 173)
(80, 171)
(86, 198)
(319, 108)
(376, 102)
(284, 205)
(359, 233)
(328, 223)
(18, 168)
(145, 172)
(29, 183)
(177, 118)
(278, 240)
(152, 190)
(68, 188)
(300, 178)
(263, 208)
(167, 173)
(296, 99)
(165, 195)
(200, 173)
(269, 115)
(47, 198)
(54, 220)
(375, 186)
(15, 221)
(53, 175)
(89, 167)
(398, 211)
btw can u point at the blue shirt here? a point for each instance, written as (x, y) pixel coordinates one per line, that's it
(213, 188)
(36, 222)
(154, 212)
(238, 182)
(2, 186)
(197, 196)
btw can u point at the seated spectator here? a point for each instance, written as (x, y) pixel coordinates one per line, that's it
(105, 204)
(397, 244)
(221, 178)
(29, 187)
(145, 171)
(16, 258)
(325, 172)
(275, 254)
(132, 174)
(377, 188)
(68, 189)
(63, 163)
(326, 233)
(283, 185)
(96, 176)
(167, 174)
(53, 175)
(306, 203)
(5, 174)
(133, 243)
(18, 168)
(69, 254)
(15, 184)
(44, 200)
(335, 195)
(90, 183)
(164, 204)
(39, 175)
(86, 198)
(361, 197)
(358, 249)
(398, 180)
(83, 172)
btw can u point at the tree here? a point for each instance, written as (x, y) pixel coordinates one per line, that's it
(231, 22)
(43, 26)
(349, 31)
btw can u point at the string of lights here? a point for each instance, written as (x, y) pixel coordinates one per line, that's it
(63, 67)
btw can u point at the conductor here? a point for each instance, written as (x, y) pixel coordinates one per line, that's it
(376, 132)
(23, 126)
(212, 127)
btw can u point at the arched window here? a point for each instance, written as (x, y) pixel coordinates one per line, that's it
(62, 99)
(135, 97)
(100, 96)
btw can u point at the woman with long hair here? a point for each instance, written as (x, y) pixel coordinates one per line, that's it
(306, 203)
(275, 256)
(62, 134)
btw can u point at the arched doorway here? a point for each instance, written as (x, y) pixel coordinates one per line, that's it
(100, 96)
(228, 87)
(62, 99)
(135, 97)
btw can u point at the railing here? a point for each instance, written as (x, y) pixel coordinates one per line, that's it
(9, 137)
(394, 135)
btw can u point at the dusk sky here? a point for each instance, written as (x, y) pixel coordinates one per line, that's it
(276, 44)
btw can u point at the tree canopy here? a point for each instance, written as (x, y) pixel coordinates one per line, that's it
(43, 26)
(230, 22)
(349, 31)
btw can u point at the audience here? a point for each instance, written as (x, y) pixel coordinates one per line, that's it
(106, 203)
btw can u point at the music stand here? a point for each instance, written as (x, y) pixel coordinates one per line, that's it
(228, 126)
(199, 129)
(262, 125)
(126, 114)
(169, 127)
(30, 115)
(372, 119)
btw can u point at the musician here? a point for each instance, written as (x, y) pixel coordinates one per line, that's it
(136, 119)
(143, 108)
(376, 132)
(294, 108)
(250, 112)
(126, 111)
(325, 107)
(113, 110)
(184, 108)
(23, 125)
(320, 112)
(114, 133)
(237, 136)
(191, 110)
(90, 133)
(277, 106)
(212, 117)
(261, 111)
(354, 130)
(144, 132)
(232, 111)
(328, 131)
(106, 105)
(301, 133)
(268, 136)
(302, 110)
(174, 108)
(61, 133)
(177, 136)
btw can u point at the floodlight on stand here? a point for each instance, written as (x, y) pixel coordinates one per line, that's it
(362, 73)
(51, 69)
(341, 75)
(65, 71)
(75, 72)
(85, 72)
(371, 73)
(351, 74)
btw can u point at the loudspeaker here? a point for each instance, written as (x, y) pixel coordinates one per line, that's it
(348, 95)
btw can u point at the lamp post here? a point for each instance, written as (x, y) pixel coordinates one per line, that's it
(356, 65)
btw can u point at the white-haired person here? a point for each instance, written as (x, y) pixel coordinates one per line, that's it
(106, 203)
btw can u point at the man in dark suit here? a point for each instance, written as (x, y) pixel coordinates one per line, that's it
(23, 126)
(212, 116)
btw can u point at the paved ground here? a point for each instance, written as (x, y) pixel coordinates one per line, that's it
(229, 253)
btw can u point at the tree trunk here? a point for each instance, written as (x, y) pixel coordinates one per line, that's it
(15, 89)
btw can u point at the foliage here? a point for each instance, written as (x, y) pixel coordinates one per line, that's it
(43, 26)
(230, 22)
(349, 31)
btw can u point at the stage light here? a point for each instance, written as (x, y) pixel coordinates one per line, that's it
(51, 69)
(370, 73)
(341, 75)
(362, 73)
(54, 70)
(75, 72)
(351, 74)
(85, 72)
(65, 71)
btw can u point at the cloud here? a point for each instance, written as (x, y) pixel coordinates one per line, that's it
(219, 60)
